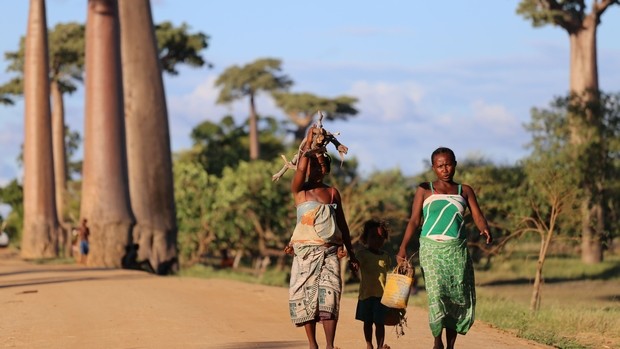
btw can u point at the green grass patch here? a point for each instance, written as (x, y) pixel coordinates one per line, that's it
(567, 327)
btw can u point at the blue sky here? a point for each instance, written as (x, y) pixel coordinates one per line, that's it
(462, 74)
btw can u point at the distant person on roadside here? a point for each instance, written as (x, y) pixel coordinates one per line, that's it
(438, 207)
(83, 235)
(374, 264)
(4, 237)
(317, 245)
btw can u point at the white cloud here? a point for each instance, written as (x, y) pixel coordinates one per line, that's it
(496, 118)
(387, 102)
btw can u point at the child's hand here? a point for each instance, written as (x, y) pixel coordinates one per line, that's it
(354, 264)
(289, 250)
(341, 252)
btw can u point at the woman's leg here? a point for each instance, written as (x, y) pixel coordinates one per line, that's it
(310, 328)
(438, 342)
(329, 326)
(450, 337)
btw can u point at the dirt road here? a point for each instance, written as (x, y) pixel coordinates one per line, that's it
(68, 306)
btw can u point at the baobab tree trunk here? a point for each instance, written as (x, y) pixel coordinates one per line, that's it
(40, 235)
(585, 134)
(60, 164)
(254, 144)
(148, 140)
(105, 192)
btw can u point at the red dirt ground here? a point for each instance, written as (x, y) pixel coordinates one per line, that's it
(70, 306)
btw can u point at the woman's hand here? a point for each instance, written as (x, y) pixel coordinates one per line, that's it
(401, 256)
(487, 235)
(289, 250)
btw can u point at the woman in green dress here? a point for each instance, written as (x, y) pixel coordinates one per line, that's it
(438, 207)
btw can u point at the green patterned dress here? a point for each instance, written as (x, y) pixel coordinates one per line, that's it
(446, 264)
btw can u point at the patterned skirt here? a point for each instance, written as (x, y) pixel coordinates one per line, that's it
(315, 286)
(449, 280)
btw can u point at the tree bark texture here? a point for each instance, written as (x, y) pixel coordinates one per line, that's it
(254, 143)
(60, 167)
(584, 82)
(149, 158)
(40, 235)
(105, 193)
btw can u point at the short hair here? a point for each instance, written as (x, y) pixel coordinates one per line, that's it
(442, 150)
(373, 225)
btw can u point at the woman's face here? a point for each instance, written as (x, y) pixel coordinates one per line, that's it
(316, 170)
(444, 166)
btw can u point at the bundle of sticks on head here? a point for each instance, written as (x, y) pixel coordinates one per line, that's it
(320, 138)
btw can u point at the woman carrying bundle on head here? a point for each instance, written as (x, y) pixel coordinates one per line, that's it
(318, 241)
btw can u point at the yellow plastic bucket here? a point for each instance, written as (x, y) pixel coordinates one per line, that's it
(396, 291)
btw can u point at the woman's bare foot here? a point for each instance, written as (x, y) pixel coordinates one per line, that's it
(385, 346)
(438, 343)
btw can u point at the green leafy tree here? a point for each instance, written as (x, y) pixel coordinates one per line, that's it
(595, 158)
(252, 212)
(553, 202)
(300, 108)
(195, 198)
(12, 195)
(500, 194)
(177, 45)
(383, 195)
(246, 82)
(225, 144)
(581, 27)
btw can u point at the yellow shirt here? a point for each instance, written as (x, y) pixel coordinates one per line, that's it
(373, 270)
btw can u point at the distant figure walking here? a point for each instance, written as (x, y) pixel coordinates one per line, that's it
(83, 234)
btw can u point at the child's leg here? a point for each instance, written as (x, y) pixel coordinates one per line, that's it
(310, 328)
(380, 335)
(368, 334)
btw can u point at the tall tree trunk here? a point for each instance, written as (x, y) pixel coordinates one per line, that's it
(60, 164)
(40, 235)
(105, 191)
(254, 144)
(148, 140)
(584, 133)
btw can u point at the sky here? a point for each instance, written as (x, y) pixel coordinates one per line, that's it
(461, 74)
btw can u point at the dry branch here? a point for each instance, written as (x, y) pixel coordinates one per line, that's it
(320, 139)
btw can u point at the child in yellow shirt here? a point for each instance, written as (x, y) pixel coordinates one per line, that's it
(374, 264)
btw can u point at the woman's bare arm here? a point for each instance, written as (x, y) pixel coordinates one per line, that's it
(476, 213)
